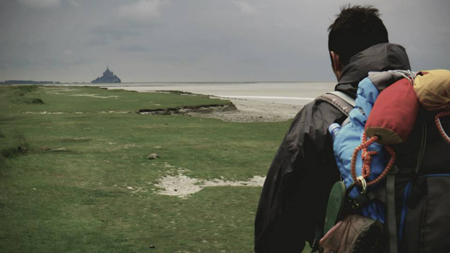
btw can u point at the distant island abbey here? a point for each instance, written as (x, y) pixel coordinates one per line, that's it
(108, 77)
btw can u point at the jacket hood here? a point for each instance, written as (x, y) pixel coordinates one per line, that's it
(380, 57)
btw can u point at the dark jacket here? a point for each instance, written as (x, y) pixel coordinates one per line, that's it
(295, 193)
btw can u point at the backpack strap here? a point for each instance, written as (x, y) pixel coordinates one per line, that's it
(391, 213)
(391, 219)
(344, 103)
(341, 101)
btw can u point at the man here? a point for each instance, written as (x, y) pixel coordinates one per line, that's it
(294, 196)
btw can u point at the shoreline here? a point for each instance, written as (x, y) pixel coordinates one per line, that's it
(247, 110)
(260, 108)
(255, 101)
(254, 111)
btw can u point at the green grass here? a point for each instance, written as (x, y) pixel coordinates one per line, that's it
(79, 200)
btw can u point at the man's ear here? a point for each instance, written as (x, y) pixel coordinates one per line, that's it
(336, 64)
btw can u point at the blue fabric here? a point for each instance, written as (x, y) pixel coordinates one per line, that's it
(406, 194)
(350, 137)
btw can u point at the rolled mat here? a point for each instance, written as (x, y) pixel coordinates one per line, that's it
(433, 89)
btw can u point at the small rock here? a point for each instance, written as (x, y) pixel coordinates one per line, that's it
(22, 149)
(59, 150)
(151, 246)
(152, 156)
(35, 101)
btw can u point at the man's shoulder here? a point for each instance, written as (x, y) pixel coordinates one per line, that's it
(318, 114)
(331, 103)
(339, 100)
(312, 123)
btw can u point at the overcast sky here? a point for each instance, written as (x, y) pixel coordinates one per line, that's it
(199, 40)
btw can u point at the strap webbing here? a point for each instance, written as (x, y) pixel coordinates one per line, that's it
(345, 97)
(318, 236)
(339, 100)
(423, 145)
(391, 215)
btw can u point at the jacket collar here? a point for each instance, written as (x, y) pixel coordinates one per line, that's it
(380, 57)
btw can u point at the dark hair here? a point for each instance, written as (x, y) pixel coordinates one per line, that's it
(355, 29)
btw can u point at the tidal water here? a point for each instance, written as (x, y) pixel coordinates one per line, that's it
(295, 93)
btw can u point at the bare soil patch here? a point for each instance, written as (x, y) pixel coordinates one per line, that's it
(202, 109)
(183, 186)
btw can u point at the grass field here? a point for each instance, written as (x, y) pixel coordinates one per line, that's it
(74, 173)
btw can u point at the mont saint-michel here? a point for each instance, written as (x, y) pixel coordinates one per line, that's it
(108, 77)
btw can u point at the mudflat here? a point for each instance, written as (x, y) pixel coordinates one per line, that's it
(256, 102)
(295, 93)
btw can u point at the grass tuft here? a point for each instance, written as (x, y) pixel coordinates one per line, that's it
(36, 101)
(17, 145)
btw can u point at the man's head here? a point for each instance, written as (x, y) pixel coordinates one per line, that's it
(355, 29)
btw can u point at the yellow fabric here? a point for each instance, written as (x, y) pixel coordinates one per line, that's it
(433, 89)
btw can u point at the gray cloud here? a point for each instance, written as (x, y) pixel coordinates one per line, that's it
(40, 3)
(97, 41)
(114, 33)
(107, 34)
(133, 48)
(142, 10)
(198, 40)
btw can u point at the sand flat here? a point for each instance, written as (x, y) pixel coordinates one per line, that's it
(256, 102)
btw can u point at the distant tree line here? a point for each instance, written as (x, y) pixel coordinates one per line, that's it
(28, 82)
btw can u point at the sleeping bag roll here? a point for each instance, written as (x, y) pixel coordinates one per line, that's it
(394, 113)
(433, 89)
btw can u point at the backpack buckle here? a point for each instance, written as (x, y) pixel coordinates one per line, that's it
(363, 184)
(362, 199)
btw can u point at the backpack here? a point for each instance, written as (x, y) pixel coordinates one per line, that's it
(420, 223)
